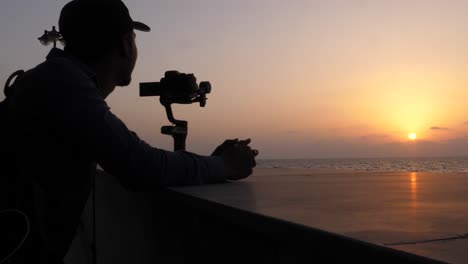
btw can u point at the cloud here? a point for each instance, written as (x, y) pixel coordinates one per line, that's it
(439, 128)
(466, 123)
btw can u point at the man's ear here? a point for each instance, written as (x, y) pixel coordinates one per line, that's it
(126, 41)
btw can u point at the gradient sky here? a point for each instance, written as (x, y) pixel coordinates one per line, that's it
(302, 78)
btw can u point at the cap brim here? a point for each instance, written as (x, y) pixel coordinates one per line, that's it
(141, 26)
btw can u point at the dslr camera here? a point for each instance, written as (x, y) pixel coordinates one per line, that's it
(177, 88)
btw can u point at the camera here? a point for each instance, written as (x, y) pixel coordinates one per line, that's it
(178, 88)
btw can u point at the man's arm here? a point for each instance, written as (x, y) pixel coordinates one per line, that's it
(84, 120)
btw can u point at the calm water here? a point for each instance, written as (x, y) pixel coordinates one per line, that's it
(455, 164)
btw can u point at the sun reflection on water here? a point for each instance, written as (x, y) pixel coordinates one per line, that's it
(414, 190)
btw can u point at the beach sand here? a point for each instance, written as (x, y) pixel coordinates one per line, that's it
(378, 207)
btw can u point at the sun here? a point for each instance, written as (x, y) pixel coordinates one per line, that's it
(412, 136)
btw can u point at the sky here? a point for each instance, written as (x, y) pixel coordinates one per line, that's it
(301, 78)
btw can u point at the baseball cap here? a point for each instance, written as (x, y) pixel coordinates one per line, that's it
(96, 19)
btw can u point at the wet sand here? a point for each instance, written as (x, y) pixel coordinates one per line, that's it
(386, 208)
(378, 207)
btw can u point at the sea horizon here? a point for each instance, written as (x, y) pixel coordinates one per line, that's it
(409, 164)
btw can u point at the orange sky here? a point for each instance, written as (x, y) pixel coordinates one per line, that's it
(301, 78)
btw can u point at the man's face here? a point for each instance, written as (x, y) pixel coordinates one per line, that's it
(128, 62)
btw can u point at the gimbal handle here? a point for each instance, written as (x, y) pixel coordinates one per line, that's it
(178, 131)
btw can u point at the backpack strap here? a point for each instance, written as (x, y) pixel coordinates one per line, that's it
(8, 89)
(7, 170)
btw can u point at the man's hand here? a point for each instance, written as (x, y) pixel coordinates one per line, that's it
(238, 157)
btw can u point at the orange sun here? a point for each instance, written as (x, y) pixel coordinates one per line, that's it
(412, 136)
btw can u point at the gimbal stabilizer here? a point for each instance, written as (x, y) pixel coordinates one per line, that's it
(177, 88)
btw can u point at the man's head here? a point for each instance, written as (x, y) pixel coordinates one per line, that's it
(97, 29)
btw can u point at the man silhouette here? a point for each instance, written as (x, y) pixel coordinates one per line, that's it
(62, 128)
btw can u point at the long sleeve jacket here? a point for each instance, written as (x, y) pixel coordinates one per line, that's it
(62, 128)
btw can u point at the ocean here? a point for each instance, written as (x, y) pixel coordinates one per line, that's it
(446, 164)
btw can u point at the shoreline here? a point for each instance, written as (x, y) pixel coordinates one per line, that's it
(397, 208)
